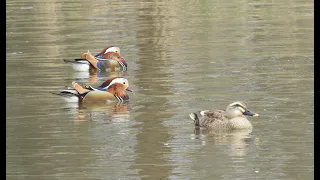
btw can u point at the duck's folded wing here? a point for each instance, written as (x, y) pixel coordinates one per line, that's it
(109, 64)
(215, 114)
(99, 96)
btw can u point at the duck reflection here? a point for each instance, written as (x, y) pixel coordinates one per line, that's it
(101, 112)
(94, 77)
(238, 141)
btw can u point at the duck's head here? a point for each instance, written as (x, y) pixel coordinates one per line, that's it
(114, 56)
(238, 108)
(110, 49)
(118, 82)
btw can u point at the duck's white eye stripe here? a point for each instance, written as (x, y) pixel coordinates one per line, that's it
(234, 104)
(117, 80)
(238, 104)
(112, 49)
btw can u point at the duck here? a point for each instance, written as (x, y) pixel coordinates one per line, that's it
(232, 118)
(109, 59)
(112, 90)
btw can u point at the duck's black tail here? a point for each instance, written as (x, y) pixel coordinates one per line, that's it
(195, 118)
(78, 61)
(66, 92)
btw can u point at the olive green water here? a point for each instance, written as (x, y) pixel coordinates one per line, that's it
(182, 57)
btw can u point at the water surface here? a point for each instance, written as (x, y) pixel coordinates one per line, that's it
(182, 57)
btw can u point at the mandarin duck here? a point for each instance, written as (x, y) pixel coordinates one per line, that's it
(108, 59)
(112, 90)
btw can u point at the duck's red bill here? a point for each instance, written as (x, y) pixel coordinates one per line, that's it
(129, 89)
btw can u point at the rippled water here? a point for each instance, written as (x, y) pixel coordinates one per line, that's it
(182, 57)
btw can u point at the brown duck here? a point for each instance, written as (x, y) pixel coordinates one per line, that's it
(230, 119)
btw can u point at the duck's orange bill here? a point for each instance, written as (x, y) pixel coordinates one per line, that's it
(129, 89)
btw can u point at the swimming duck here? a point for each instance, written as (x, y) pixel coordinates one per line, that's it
(113, 89)
(108, 59)
(232, 118)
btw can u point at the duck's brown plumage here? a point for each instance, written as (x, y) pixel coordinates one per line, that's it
(118, 90)
(113, 90)
(231, 118)
(214, 118)
(112, 61)
(108, 59)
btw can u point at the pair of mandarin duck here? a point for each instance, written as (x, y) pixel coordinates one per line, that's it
(113, 89)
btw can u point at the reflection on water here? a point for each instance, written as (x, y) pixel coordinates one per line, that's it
(236, 140)
(94, 79)
(179, 60)
(93, 111)
(106, 113)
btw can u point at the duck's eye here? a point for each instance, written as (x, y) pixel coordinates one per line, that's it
(124, 82)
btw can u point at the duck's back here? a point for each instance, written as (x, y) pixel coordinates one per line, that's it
(214, 119)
